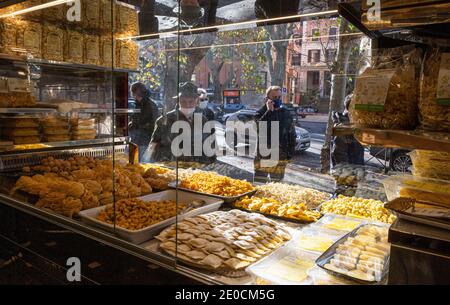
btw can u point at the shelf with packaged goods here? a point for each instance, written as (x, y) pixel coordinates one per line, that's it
(50, 65)
(55, 146)
(399, 26)
(426, 140)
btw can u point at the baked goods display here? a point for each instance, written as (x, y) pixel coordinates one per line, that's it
(20, 132)
(83, 128)
(52, 42)
(223, 241)
(16, 93)
(292, 194)
(270, 206)
(55, 128)
(74, 47)
(212, 183)
(431, 164)
(358, 207)
(362, 255)
(386, 94)
(135, 214)
(434, 115)
(6, 145)
(95, 176)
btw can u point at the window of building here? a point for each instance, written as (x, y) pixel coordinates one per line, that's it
(297, 39)
(330, 55)
(295, 60)
(316, 78)
(332, 34)
(315, 34)
(313, 56)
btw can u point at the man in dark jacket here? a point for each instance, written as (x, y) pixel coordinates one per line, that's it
(274, 111)
(161, 143)
(142, 124)
(345, 149)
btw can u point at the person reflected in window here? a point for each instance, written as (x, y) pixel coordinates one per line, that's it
(160, 148)
(203, 104)
(142, 124)
(345, 149)
(273, 110)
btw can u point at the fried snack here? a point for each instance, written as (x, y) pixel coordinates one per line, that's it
(433, 116)
(221, 240)
(91, 50)
(21, 132)
(20, 122)
(74, 47)
(212, 183)
(52, 121)
(127, 23)
(292, 194)
(135, 214)
(106, 58)
(26, 140)
(358, 207)
(126, 54)
(159, 177)
(56, 130)
(274, 207)
(53, 41)
(29, 35)
(57, 138)
(89, 200)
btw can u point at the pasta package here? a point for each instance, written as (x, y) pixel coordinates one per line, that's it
(91, 13)
(54, 13)
(29, 38)
(106, 49)
(52, 42)
(431, 164)
(74, 47)
(434, 102)
(126, 54)
(91, 50)
(8, 36)
(107, 13)
(386, 93)
(127, 23)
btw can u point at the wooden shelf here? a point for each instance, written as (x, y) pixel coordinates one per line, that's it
(425, 140)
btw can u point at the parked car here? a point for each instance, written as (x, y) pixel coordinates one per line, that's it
(399, 160)
(303, 138)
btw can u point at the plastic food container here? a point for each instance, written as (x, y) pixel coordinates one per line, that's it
(339, 224)
(427, 190)
(362, 255)
(285, 266)
(321, 277)
(314, 239)
(144, 234)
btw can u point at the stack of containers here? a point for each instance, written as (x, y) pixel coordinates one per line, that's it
(55, 128)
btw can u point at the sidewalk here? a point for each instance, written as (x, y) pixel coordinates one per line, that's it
(315, 117)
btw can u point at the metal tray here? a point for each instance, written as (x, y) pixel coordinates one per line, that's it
(144, 234)
(327, 255)
(173, 185)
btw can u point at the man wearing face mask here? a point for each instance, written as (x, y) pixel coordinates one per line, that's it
(274, 111)
(142, 124)
(160, 144)
(203, 104)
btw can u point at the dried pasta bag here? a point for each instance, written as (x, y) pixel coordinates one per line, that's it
(8, 36)
(431, 164)
(127, 23)
(91, 50)
(386, 93)
(74, 47)
(29, 38)
(54, 13)
(52, 42)
(107, 11)
(91, 13)
(106, 59)
(434, 102)
(126, 54)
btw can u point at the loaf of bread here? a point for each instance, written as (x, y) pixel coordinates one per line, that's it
(74, 47)
(52, 42)
(29, 38)
(91, 50)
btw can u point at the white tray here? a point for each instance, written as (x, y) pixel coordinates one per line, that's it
(144, 234)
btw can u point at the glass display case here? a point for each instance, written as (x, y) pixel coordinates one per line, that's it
(223, 142)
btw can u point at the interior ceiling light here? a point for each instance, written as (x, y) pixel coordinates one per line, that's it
(228, 25)
(35, 8)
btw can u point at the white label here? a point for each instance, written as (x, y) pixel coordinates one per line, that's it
(371, 89)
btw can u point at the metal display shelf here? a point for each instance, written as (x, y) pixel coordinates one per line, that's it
(109, 110)
(26, 110)
(425, 140)
(54, 146)
(77, 66)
